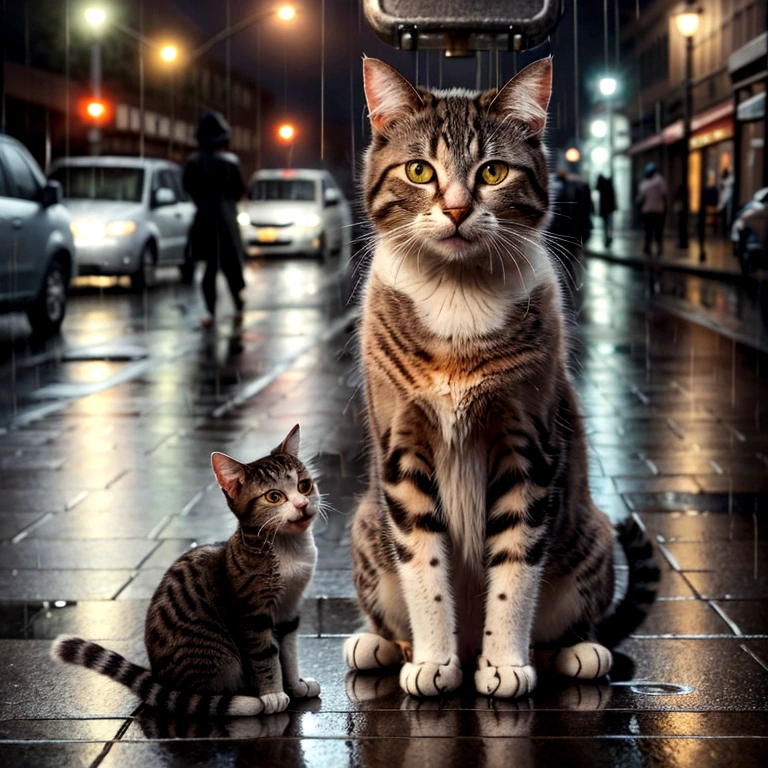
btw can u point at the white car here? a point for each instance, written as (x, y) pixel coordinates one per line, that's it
(129, 215)
(294, 211)
(37, 253)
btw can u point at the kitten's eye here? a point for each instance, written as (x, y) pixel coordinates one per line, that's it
(494, 173)
(274, 497)
(419, 172)
(305, 486)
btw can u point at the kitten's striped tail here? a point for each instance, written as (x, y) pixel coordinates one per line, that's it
(642, 587)
(74, 650)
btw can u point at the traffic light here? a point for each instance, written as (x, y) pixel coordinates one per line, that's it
(95, 111)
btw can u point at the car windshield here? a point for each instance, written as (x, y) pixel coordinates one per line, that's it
(283, 189)
(96, 182)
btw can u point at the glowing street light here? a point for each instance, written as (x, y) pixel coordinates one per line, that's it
(572, 155)
(599, 129)
(599, 155)
(169, 53)
(286, 12)
(286, 132)
(95, 16)
(687, 21)
(607, 86)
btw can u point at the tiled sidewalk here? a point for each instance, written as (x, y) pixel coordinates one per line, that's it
(676, 422)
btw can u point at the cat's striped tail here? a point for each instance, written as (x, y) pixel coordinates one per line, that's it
(75, 650)
(643, 583)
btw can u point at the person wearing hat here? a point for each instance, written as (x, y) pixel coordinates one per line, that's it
(652, 200)
(213, 180)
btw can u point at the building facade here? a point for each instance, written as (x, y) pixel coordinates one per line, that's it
(152, 107)
(725, 147)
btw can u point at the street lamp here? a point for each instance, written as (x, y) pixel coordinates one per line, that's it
(284, 13)
(687, 21)
(607, 86)
(97, 17)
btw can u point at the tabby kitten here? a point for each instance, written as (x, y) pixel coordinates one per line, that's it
(477, 536)
(221, 628)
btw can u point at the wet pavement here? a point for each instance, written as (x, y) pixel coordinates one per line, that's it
(105, 438)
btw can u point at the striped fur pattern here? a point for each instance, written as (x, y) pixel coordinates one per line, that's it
(221, 628)
(477, 536)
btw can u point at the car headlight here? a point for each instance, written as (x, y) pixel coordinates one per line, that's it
(308, 220)
(87, 229)
(121, 228)
(243, 219)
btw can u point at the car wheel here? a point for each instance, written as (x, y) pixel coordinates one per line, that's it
(47, 313)
(144, 276)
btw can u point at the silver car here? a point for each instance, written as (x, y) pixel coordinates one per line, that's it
(294, 211)
(37, 252)
(129, 215)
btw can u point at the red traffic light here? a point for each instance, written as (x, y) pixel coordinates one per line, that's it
(95, 111)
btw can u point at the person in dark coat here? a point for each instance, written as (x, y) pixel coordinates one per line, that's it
(213, 180)
(607, 206)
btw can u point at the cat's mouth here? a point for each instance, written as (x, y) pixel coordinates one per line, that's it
(303, 521)
(455, 241)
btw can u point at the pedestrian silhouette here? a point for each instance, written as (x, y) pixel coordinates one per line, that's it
(652, 201)
(607, 206)
(725, 202)
(213, 180)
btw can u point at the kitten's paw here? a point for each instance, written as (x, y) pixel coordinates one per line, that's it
(305, 688)
(431, 678)
(369, 651)
(504, 682)
(585, 661)
(275, 702)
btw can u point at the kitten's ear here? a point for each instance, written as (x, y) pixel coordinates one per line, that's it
(229, 473)
(388, 93)
(291, 443)
(526, 96)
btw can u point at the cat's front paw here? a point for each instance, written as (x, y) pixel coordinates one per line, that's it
(504, 682)
(431, 678)
(304, 688)
(275, 702)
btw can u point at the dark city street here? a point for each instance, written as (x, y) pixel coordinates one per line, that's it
(135, 357)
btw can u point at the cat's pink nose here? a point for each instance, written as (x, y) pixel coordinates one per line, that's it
(456, 215)
(301, 503)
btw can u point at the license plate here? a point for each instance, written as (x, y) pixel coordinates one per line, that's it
(266, 235)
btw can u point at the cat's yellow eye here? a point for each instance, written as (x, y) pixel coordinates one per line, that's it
(305, 486)
(274, 497)
(494, 173)
(419, 172)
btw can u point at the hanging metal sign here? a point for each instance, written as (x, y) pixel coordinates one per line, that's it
(462, 28)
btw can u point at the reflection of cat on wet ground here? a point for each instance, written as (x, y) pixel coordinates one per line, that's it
(477, 536)
(222, 627)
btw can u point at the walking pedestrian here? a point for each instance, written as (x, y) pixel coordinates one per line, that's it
(725, 203)
(652, 201)
(607, 206)
(213, 180)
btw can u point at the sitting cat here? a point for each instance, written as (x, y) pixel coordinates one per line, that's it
(221, 628)
(477, 537)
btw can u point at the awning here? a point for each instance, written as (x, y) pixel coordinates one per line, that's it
(674, 131)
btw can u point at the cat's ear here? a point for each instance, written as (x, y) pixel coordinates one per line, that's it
(291, 443)
(389, 95)
(229, 473)
(526, 96)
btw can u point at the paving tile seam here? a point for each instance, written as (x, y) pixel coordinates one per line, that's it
(252, 389)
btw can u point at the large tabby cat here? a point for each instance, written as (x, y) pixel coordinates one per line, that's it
(477, 536)
(221, 629)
